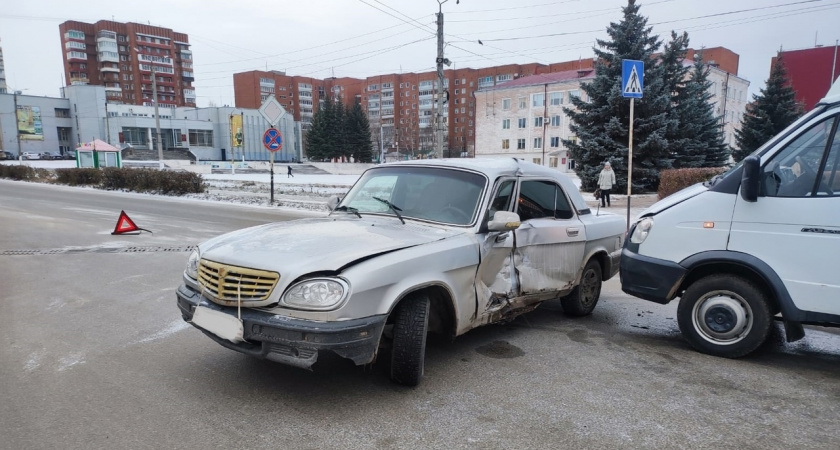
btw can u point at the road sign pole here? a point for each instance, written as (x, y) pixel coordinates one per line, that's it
(271, 158)
(630, 163)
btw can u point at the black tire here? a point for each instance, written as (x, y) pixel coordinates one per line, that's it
(724, 315)
(408, 353)
(582, 300)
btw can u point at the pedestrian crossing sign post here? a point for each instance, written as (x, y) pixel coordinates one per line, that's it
(632, 86)
(632, 78)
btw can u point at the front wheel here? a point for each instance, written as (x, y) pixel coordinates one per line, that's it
(583, 298)
(724, 315)
(411, 323)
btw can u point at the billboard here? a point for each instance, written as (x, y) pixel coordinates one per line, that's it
(29, 123)
(236, 134)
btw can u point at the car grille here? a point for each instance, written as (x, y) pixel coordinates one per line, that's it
(227, 285)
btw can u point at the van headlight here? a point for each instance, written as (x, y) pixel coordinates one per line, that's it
(316, 293)
(192, 265)
(640, 233)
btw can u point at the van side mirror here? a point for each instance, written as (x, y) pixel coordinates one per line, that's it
(750, 179)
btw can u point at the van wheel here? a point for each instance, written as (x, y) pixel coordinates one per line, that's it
(724, 315)
(408, 353)
(583, 298)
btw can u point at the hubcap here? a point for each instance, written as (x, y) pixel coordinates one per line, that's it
(722, 317)
(589, 287)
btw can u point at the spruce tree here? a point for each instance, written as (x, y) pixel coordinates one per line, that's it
(674, 74)
(317, 147)
(769, 113)
(358, 134)
(600, 121)
(705, 145)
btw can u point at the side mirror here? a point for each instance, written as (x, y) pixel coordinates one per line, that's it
(503, 221)
(750, 179)
(333, 201)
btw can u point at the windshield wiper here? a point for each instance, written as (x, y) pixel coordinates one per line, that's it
(393, 208)
(713, 181)
(349, 209)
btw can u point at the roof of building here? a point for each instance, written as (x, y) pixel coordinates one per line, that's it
(546, 78)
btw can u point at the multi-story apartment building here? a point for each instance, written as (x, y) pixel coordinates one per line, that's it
(300, 96)
(524, 118)
(129, 60)
(3, 87)
(811, 72)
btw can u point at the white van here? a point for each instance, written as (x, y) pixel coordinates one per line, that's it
(759, 241)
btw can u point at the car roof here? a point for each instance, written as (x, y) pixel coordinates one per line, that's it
(500, 167)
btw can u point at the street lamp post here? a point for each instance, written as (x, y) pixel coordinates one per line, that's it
(439, 128)
(15, 93)
(157, 117)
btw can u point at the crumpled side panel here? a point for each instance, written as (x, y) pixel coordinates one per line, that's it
(548, 267)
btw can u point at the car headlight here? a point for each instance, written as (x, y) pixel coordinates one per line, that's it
(640, 233)
(192, 265)
(316, 294)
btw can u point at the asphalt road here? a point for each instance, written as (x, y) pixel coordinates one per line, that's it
(94, 354)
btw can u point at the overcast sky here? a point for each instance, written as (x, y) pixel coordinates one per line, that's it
(359, 38)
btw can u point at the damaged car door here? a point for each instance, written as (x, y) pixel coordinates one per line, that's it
(496, 276)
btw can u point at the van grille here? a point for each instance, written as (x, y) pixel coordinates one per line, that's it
(226, 284)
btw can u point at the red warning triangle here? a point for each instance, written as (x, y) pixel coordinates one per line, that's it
(125, 225)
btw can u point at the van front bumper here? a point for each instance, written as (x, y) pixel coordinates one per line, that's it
(291, 341)
(649, 278)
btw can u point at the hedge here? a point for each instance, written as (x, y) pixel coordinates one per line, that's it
(673, 180)
(17, 172)
(137, 180)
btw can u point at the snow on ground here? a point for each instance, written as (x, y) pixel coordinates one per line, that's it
(310, 192)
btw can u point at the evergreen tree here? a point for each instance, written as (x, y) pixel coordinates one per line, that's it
(338, 132)
(769, 113)
(358, 134)
(601, 123)
(704, 144)
(317, 137)
(674, 74)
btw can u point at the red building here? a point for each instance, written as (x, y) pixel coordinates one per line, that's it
(123, 57)
(811, 72)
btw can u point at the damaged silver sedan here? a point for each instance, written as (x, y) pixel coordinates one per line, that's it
(419, 247)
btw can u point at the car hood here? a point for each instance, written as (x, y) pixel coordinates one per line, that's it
(299, 247)
(673, 199)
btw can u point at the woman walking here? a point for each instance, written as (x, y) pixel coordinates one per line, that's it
(606, 180)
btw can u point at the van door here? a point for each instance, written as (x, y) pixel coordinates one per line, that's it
(795, 224)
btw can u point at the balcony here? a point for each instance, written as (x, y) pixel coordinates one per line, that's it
(109, 69)
(155, 59)
(188, 76)
(109, 57)
(105, 34)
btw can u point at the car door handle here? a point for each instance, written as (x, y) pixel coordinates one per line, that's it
(572, 232)
(501, 237)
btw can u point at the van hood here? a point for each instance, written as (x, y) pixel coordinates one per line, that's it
(673, 199)
(299, 247)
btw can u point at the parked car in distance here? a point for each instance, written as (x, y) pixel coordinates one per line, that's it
(30, 155)
(70, 154)
(51, 155)
(758, 243)
(9, 155)
(415, 247)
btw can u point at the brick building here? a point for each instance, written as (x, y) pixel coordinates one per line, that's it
(122, 57)
(811, 72)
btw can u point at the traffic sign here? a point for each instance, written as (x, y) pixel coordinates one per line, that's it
(272, 139)
(272, 111)
(632, 78)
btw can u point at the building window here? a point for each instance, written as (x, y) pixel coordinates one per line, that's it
(556, 121)
(523, 122)
(505, 144)
(538, 121)
(574, 94)
(555, 98)
(555, 142)
(538, 142)
(503, 78)
(520, 144)
(523, 102)
(506, 124)
(552, 162)
(537, 161)
(506, 104)
(537, 100)
(201, 138)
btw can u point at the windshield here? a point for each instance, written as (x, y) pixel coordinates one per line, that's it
(425, 193)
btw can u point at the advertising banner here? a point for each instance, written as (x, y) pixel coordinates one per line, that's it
(236, 134)
(29, 123)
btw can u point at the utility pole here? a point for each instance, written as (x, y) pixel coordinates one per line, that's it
(439, 126)
(17, 128)
(157, 117)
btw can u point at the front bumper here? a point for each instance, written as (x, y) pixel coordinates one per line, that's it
(286, 340)
(649, 278)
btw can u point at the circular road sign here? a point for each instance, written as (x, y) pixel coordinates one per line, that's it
(272, 139)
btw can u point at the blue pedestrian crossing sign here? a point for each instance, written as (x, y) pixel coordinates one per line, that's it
(632, 78)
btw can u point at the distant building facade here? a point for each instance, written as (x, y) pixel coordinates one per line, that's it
(124, 58)
(811, 72)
